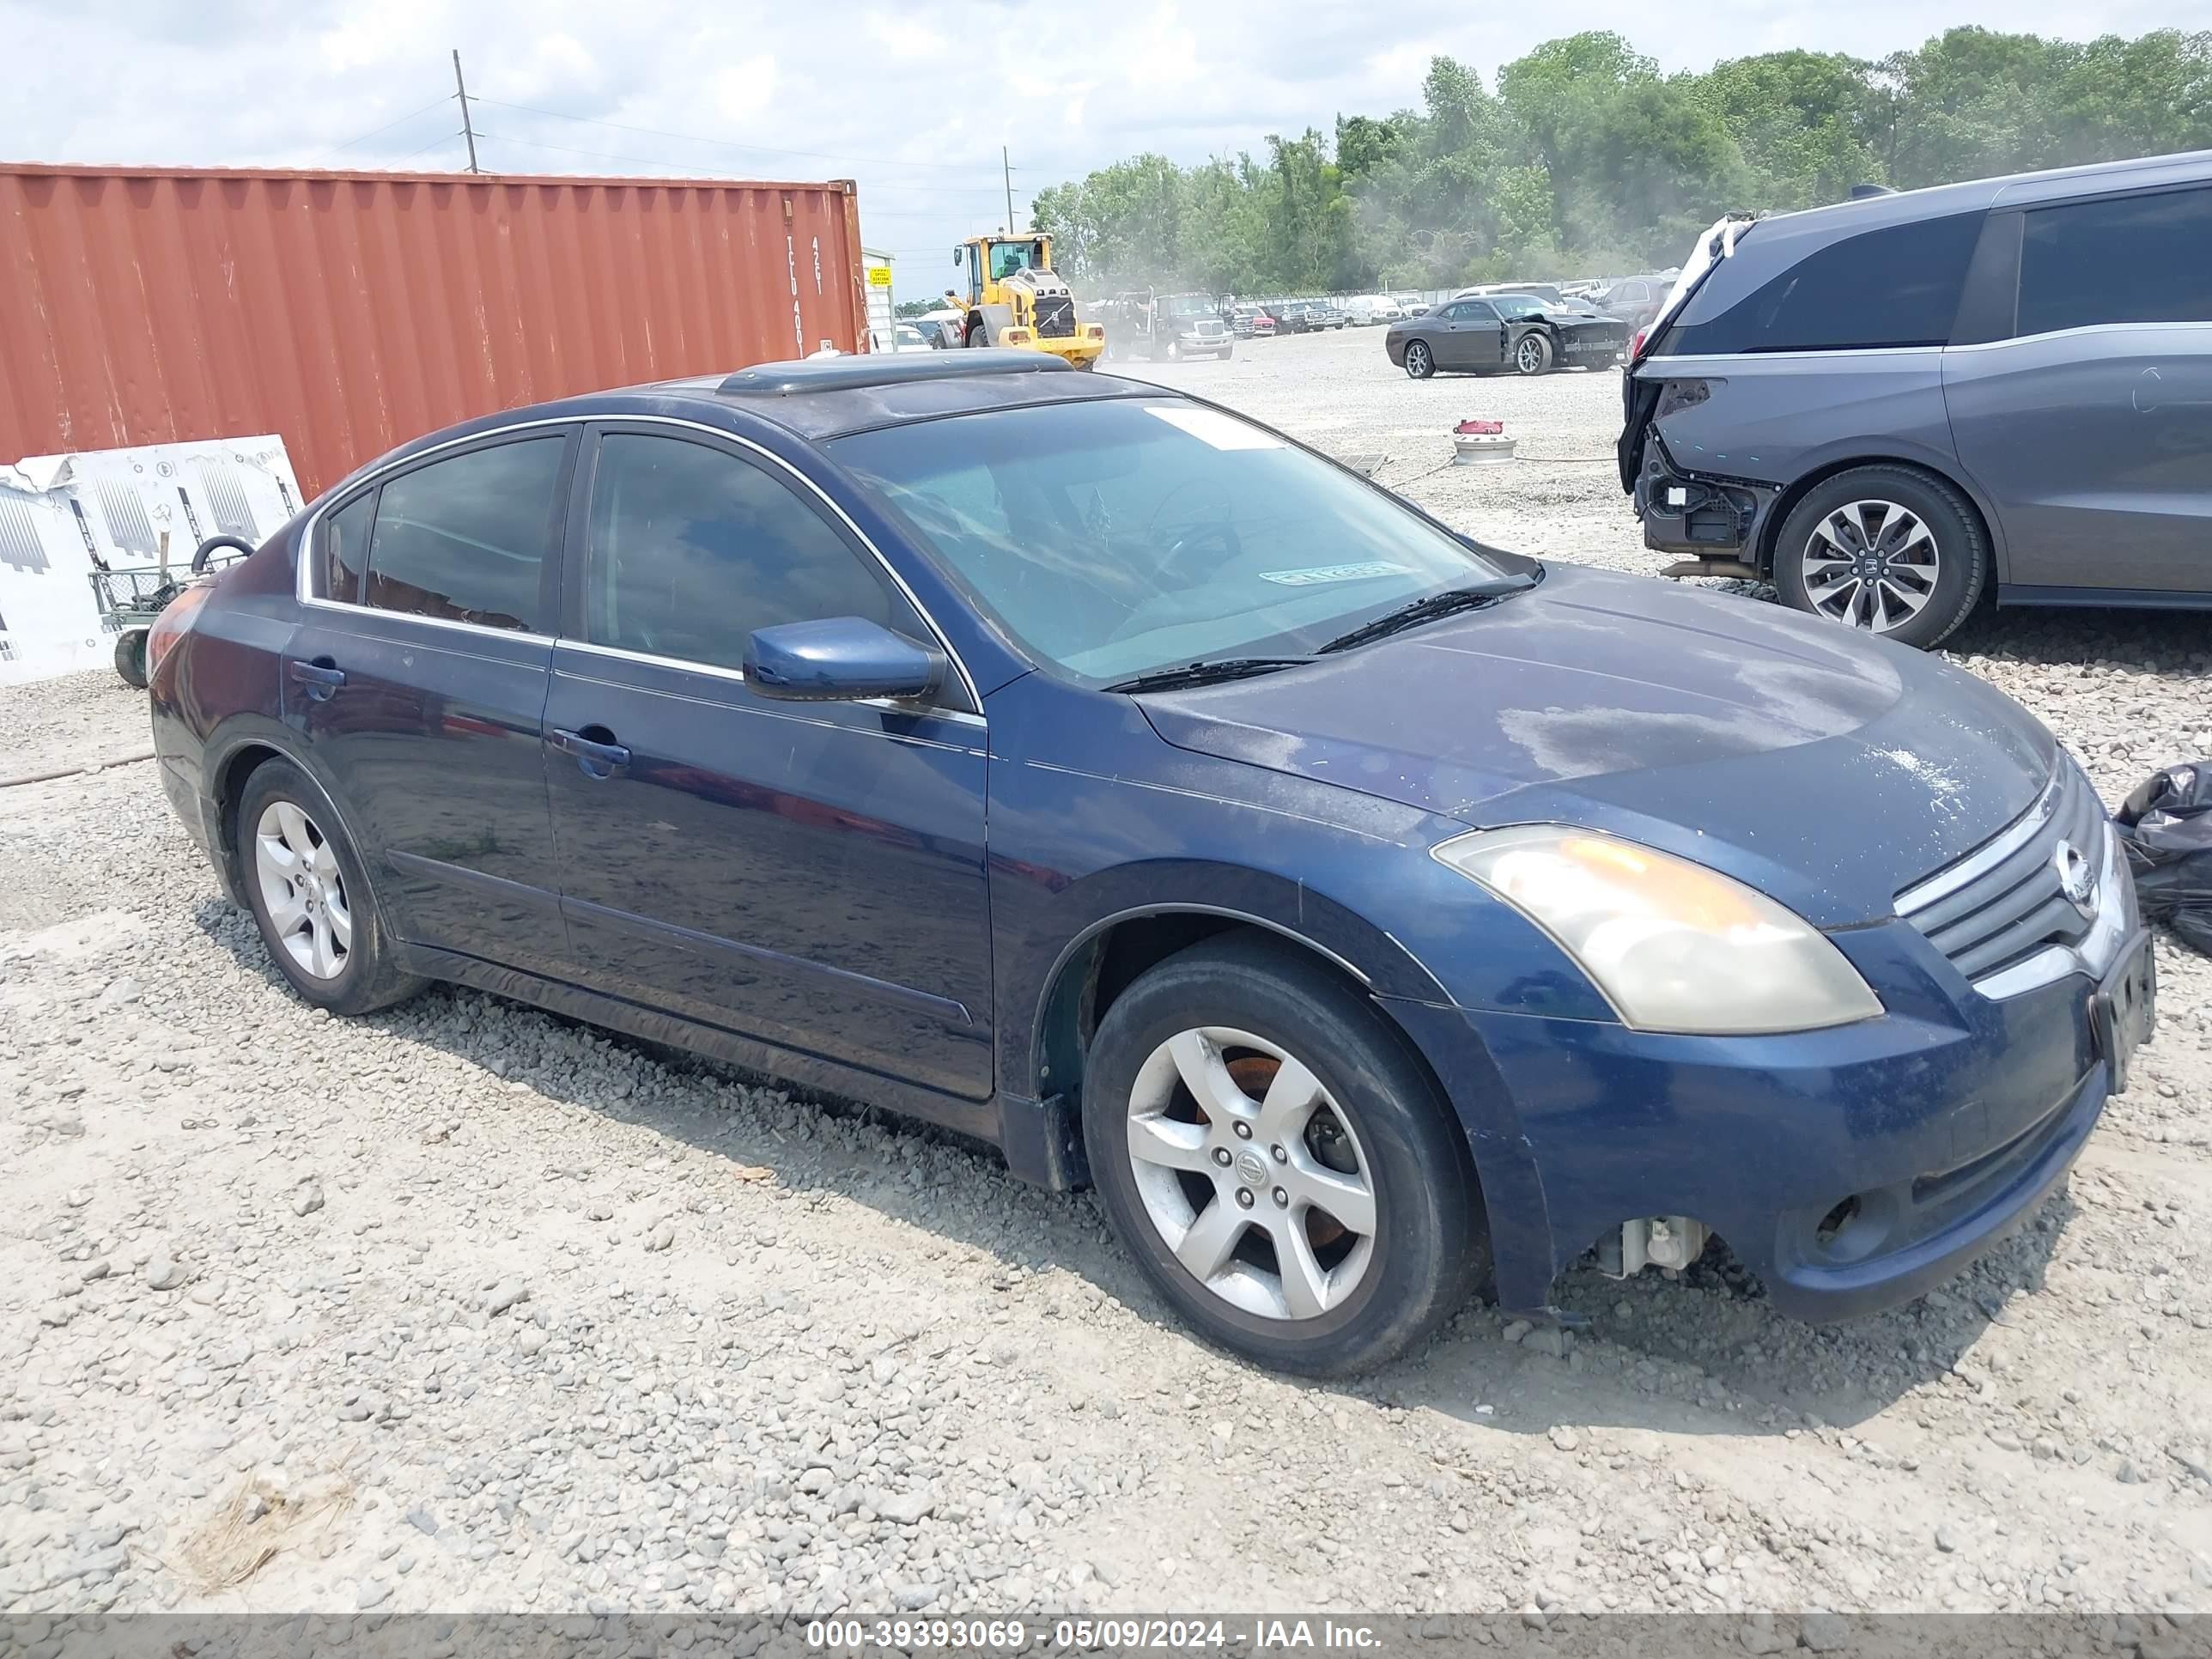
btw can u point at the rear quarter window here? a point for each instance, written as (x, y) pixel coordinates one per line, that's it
(1896, 286)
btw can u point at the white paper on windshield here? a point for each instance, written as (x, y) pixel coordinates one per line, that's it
(1211, 426)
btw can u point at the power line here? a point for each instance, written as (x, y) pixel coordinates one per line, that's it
(725, 144)
(442, 138)
(387, 126)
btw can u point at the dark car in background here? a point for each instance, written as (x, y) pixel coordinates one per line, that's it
(1892, 406)
(1633, 301)
(1299, 317)
(1512, 333)
(1094, 772)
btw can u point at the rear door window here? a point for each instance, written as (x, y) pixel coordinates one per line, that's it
(2125, 259)
(1897, 286)
(465, 539)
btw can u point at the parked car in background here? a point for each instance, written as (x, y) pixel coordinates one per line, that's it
(1164, 327)
(1032, 752)
(1413, 304)
(1891, 405)
(1298, 316)
(1328, 313)
(1512, 332)
(900, 336)
(1549, 294)
(1633, 301)
(1262, 326)
(1365, 310)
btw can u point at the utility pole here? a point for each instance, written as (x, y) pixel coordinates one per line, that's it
(1008, 164)
(468, 130)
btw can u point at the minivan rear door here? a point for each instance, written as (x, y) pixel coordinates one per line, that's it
(2086, 414)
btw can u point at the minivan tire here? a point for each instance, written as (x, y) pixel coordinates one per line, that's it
(1962, 546)
(371, 977)
(1430, 1246)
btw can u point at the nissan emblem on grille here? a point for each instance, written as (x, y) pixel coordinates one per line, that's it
(2077, 879)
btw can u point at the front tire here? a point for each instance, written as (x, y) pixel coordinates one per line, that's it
(978, 335)
(1270, 1150)
(311, 898)
(1890, 549)
(1420, 360)
(1532, 355)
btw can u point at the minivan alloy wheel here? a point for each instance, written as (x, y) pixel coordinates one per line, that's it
(1250, 1174)
(302, 890)
(1874, 564)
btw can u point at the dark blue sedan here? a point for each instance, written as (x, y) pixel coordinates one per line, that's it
(1367, 912)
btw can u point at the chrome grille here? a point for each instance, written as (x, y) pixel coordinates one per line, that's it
(2002, 903)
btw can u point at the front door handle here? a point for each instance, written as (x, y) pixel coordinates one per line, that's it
(594, 758)
(320, 680)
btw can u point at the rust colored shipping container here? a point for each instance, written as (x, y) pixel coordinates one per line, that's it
(349, 311)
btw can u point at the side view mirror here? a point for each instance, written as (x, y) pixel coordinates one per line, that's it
(838, 659)
(957, 253)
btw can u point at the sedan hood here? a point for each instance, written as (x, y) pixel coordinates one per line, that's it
(1830, 769)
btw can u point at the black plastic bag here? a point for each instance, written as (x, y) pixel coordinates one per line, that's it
(2167, 826)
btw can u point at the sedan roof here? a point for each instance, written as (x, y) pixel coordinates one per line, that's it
(833, 396)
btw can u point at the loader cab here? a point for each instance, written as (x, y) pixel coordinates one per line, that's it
(992, 260)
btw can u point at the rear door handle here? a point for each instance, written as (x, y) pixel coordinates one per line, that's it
(319, 679)
(593, 758)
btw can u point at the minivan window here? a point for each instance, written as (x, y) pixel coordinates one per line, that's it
(464, 540)
(2129, 259)
(345, 550)
(1897, 286)
(692, 549)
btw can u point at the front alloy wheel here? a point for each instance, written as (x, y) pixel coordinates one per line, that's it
(1250, 1173)
(1278, 1161)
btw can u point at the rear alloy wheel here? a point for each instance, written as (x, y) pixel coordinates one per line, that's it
(311, 898)
(1890, 551)
(1420, 361)
(1533, 355)
(1280, 1165)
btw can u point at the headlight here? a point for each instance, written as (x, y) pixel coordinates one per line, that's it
(1673, 945)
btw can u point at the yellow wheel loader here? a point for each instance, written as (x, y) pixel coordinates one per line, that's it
(1014, 298)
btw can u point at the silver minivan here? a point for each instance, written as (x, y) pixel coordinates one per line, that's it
(1891, 406)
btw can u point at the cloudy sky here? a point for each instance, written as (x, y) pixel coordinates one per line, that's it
(911, 100)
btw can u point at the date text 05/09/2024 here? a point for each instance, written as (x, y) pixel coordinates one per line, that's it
(1014, 1636)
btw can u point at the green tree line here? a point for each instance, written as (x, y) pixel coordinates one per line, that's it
(1584, 158)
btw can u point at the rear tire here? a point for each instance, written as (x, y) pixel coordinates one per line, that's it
(311, 896)
(1420, 360)
(1943, 576)
(1355, 1162)
(130, 658)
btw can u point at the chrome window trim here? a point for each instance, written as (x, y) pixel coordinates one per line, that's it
(304, 561)
(2078, 328)
(736, 677)
(2007, 841)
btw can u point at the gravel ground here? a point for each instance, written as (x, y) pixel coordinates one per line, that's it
(465, 1308)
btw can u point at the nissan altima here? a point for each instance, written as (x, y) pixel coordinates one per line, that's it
(1370, 915)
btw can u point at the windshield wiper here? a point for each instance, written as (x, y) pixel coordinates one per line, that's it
(1206, 673)
(1425, 610)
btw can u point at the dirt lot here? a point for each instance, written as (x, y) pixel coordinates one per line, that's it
(465, 1308)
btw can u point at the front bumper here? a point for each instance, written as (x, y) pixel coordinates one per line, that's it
(1851, 1170)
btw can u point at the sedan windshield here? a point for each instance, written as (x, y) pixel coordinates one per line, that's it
(1115, 537)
